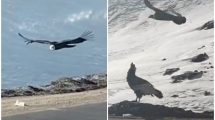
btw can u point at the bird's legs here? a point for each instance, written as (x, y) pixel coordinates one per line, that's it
(136, 99)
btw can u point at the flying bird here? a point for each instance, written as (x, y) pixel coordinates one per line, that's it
(140, 86)
(68, 43)
(167, 15)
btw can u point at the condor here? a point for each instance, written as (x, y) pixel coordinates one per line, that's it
(68, 43)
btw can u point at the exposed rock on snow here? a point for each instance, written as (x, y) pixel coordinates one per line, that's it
(149, 111)
(201, 47)
(206, 26)
(200, 58)
(174, 96)
(164, 59)
(171, 71)
(206, 93)
(187, 75)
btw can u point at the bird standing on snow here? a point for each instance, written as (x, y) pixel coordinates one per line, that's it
(140, 86)
(168, 15)
(69, 43)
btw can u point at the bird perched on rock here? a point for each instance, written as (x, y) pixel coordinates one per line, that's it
(140, 86)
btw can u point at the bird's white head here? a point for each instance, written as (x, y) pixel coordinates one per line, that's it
(52, 47)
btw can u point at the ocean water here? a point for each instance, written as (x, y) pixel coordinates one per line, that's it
(54, 20)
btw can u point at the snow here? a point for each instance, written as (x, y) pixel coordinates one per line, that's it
(133, 37)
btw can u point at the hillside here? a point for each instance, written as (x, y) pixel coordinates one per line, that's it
(155, 46)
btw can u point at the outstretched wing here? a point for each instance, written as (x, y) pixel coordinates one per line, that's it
(84, 37)
(149, 5)
(28, 41)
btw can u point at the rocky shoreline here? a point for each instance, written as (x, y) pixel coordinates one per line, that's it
(62, 85)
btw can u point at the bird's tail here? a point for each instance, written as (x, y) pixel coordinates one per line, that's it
(158, 93)
(87, 35)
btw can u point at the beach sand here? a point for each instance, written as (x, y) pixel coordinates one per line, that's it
(52, 102)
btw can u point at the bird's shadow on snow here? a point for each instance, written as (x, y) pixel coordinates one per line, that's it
(149, 111)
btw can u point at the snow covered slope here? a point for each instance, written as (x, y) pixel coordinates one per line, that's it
(133, 37)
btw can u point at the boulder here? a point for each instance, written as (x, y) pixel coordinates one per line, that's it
(190, 75)
(200, 58)
(35, 89)
(207, 25)
(171, 71)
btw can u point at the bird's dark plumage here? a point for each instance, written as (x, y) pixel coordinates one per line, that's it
(68, 43)
(168, 15)
(140, 86)
(28, 41)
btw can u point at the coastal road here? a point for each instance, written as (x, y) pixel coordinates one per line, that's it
(83, 112)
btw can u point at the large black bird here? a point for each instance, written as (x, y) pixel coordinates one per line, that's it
(168, 15)
(68, 43)
(140, 86)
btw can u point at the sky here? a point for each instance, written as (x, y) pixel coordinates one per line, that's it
(55, 20)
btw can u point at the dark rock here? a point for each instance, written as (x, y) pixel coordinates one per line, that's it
(16, 92)
(194, 75)
(7, 93)
(201, 47)
(171, 71)
(35, 89)
(61, 90)
(65, 82)
(187, 75)
(151, 112)
(179, 78)
(206, 26)
(174, 96)
(28, 93)
(62, 85)
(85, 81)
(200, 58)
(65, 85)
(206, 93)
(80, 89)
(164, 59)
(211, 66)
